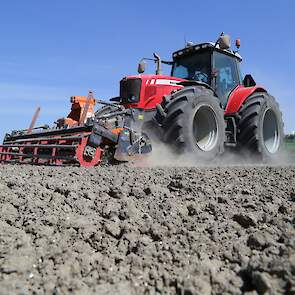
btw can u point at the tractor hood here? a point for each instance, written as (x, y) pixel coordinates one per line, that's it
(146, 91)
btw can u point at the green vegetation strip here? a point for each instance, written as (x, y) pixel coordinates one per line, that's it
(290, 145)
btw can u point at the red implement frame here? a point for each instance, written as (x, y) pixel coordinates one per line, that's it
(55, 150)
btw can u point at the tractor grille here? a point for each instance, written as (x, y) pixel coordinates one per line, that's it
(130, 90)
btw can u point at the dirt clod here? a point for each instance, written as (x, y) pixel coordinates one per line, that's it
(257, 241)
(245, 220)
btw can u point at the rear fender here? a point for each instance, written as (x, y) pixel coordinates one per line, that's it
(238, 96)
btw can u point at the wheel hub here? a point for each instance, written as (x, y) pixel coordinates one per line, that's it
(205, 128)
(271, 134)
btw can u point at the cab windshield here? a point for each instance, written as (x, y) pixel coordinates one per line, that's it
(193, 67)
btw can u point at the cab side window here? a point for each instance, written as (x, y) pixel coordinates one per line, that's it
(227, 75)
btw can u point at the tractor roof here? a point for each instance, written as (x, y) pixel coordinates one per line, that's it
(190, 48)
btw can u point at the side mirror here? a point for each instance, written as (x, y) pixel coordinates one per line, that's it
(141, 67)
(224, 42)
(249, 81)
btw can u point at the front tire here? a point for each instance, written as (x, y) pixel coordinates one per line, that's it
(261, 126)
(193, 122)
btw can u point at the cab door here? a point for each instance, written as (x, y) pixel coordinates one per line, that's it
(227, 76)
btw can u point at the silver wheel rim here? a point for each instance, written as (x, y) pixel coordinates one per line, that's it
(271, 135)
(205, 128)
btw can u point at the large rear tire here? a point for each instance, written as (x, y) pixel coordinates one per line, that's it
(192, 121)
(260, 127)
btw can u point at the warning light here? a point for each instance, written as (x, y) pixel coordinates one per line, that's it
(238, 43)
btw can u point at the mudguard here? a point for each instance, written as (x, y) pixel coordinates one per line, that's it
(238, 96)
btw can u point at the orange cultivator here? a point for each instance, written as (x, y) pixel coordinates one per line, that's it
(54, 147)
(64, 144)
(82, 138)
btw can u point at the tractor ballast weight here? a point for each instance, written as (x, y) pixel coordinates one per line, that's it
(203, 107)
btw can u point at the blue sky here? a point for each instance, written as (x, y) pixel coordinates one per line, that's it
(52, 49)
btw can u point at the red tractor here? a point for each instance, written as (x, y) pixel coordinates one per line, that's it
(204, 106)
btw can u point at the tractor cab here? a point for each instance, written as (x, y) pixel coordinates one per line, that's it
(214, 64)
(210, 63)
